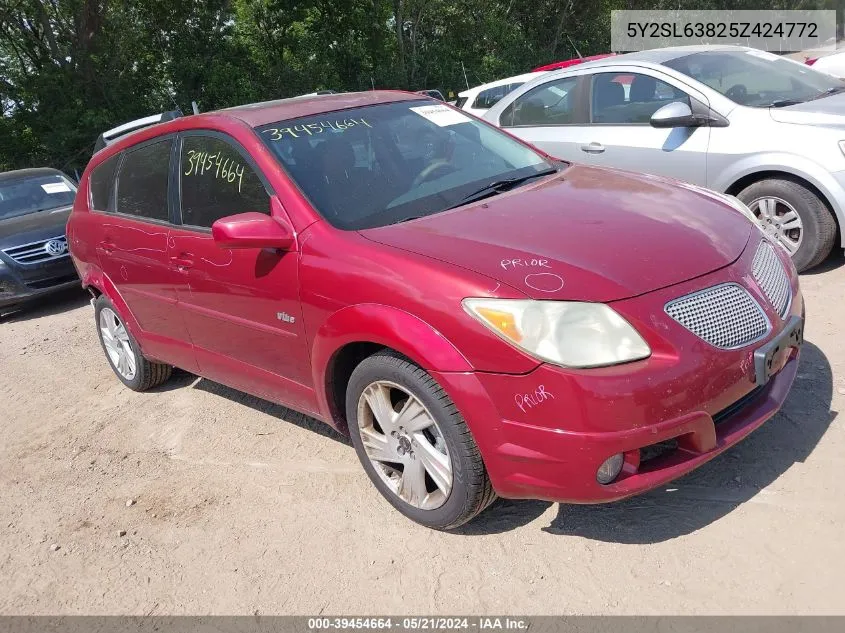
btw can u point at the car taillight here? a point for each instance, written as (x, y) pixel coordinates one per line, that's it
(811, 60)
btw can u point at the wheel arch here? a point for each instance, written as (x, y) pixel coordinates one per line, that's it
(97, 283)
(356, 332)
(817, 183)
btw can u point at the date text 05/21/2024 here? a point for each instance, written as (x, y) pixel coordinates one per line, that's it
(418, 623)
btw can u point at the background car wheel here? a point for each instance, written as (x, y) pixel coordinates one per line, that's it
(123, 353)
(795, 216)
(414, 443)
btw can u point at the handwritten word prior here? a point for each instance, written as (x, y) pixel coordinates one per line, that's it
(524, 263)
(201, 163)
(531, 400)
(278, 133)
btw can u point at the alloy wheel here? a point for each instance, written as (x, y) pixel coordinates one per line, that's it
(780, 221)
(117, 343)
(404, 445)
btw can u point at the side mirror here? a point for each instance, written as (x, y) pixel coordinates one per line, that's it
(675, 114)
(252, 230)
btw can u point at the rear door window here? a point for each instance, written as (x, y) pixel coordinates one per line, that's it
(142, 182)
(486, 99)
(552, 103)
(216, 182)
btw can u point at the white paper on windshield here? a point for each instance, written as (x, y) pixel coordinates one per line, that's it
(441, 115)
(55, 187)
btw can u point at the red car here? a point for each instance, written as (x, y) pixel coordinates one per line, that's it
(480, 318)
(571, 62)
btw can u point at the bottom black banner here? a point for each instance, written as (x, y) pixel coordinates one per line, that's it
(573, 624)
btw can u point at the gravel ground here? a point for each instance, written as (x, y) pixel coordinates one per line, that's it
(197, 499)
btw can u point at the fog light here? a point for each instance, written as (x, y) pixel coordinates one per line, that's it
(610, 469)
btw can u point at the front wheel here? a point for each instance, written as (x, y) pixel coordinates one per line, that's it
(414, 444)
(795, 216)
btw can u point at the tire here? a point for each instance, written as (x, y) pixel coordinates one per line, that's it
(471, 491)
(819, 225)
(146, 374)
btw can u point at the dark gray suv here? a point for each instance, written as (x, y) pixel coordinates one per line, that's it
(34, 261)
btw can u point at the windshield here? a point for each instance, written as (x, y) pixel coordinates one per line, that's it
(19, 196)
(756, 78)
(381, 164)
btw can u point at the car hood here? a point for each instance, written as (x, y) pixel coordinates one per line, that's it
(587, 234)
(33, 227)
(827, 112)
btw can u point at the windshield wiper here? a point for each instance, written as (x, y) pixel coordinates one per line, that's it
(408, 219)
(498, 186)
(781, 103)
(829, 92)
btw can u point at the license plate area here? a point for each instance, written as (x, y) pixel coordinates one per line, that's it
(766, 357)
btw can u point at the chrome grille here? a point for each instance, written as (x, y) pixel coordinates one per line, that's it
(726, 316)
(771, 277)
(41, 251)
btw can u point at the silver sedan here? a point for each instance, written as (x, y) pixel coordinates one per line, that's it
(740, 121)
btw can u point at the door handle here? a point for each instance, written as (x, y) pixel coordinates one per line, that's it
(183, 262)
(593, 148)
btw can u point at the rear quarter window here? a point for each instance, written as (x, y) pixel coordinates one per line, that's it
(101, 182)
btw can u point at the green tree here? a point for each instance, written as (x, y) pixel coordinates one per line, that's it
(70, 69)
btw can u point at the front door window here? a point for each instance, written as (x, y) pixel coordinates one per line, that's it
(630, 98)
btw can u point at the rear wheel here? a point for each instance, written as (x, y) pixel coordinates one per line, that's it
(795, 216)
(414, 444)
(123, 353)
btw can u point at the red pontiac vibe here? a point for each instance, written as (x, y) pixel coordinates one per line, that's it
(479, 318)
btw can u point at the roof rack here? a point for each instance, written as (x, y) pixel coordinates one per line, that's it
(110, 136)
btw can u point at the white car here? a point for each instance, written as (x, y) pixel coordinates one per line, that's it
(481, 98)
(833, 64)
(740, 121)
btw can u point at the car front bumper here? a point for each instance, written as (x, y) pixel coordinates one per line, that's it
(531, 462)
(544, 434)
(39, 280)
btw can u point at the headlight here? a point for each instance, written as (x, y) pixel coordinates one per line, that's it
(566, 333)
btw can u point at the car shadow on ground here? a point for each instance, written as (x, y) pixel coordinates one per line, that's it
(682, 507)
(836, 260)
(708, 493)
(183, 379)
(49, 305)
(503, 516)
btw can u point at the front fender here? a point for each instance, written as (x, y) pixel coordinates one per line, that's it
(384, 325)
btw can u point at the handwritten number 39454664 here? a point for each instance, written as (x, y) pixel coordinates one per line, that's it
(202, 163)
